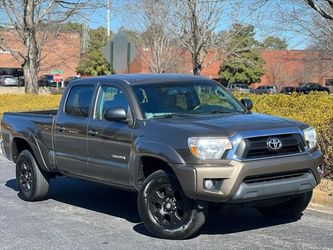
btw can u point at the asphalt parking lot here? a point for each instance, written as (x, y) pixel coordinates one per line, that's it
(82, 215)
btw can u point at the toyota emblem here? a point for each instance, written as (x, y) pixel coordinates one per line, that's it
(274, 144)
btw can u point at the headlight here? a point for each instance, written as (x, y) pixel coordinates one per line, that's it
(208, 147)
(310, 136)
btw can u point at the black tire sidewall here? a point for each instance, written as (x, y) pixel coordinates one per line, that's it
(151, 183)
(39, 186)
(26, 157)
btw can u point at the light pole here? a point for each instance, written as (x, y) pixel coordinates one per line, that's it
(108, 7)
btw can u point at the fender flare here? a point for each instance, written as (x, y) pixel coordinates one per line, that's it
(34, 144)
(165, 153)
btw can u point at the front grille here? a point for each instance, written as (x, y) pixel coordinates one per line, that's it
(274, 177)
(256, 147)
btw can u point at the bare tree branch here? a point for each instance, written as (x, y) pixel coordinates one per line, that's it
(323, 7)
(195, 23)
(153, 34)
(34, 22)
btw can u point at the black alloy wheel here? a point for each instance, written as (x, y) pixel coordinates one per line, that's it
(168, 207)
(25, 176)
(166, 211)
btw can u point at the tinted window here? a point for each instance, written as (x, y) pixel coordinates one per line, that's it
(79, 101)
(158, 100)
(110, 97)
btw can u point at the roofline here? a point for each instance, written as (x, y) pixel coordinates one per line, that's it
(135, 79)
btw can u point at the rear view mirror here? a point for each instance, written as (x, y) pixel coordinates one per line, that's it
(247, 103)
(115, 114)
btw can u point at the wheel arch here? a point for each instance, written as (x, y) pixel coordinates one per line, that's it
(146, 164)
(20, 144)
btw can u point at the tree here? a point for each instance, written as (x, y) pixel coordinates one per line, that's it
(153, 33)
(30, 21)
(70, 27)
(323, 7)
(195, 24)
(243, 63)
(310, 29)
(94, 63)
(272, 42)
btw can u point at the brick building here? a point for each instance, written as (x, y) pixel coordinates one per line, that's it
(283, 67)
(61, 52)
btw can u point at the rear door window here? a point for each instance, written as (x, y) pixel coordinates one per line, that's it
(79, 101)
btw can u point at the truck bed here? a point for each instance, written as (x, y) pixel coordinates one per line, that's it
(33, 113)
(36, 125)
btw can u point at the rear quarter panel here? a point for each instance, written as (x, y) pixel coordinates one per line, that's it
(35, 129)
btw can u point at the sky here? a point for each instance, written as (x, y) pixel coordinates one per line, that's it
(264, 20)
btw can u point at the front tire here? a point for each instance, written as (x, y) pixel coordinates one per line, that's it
(32, 182)
(290, 209)
(165, 210)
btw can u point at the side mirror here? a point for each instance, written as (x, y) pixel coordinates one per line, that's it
(247, 103)
(115, 114)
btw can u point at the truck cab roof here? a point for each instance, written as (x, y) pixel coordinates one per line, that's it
(133, 79)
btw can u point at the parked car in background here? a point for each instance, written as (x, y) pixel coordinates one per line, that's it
(46, 80)
(288, 90)
(69, 79)
(267, 89)
(8, 80)
(306, 88)
(239, 88)
(329, 85)
(21, 80)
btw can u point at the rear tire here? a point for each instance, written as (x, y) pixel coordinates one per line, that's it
(290, 209)
(165, 210)
(32, 182)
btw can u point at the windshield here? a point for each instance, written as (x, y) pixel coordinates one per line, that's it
(165, 100)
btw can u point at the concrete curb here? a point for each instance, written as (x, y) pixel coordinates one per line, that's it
(320, 208)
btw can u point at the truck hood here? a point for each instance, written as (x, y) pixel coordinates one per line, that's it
(223, 124)
(171, 134)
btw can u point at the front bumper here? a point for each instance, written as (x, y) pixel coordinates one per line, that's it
(231, 176)
(274, 188)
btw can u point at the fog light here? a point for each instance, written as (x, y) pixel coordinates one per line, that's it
(209, 184)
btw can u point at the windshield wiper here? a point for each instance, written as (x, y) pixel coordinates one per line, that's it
(224, 112)
(170, 115)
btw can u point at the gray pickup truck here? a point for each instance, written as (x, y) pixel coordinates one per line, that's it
(182, 142)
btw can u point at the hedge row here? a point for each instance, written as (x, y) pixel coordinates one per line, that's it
(313, 109)
(21, 102)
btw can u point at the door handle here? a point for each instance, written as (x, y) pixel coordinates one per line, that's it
(92, 132)
(61, 128)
